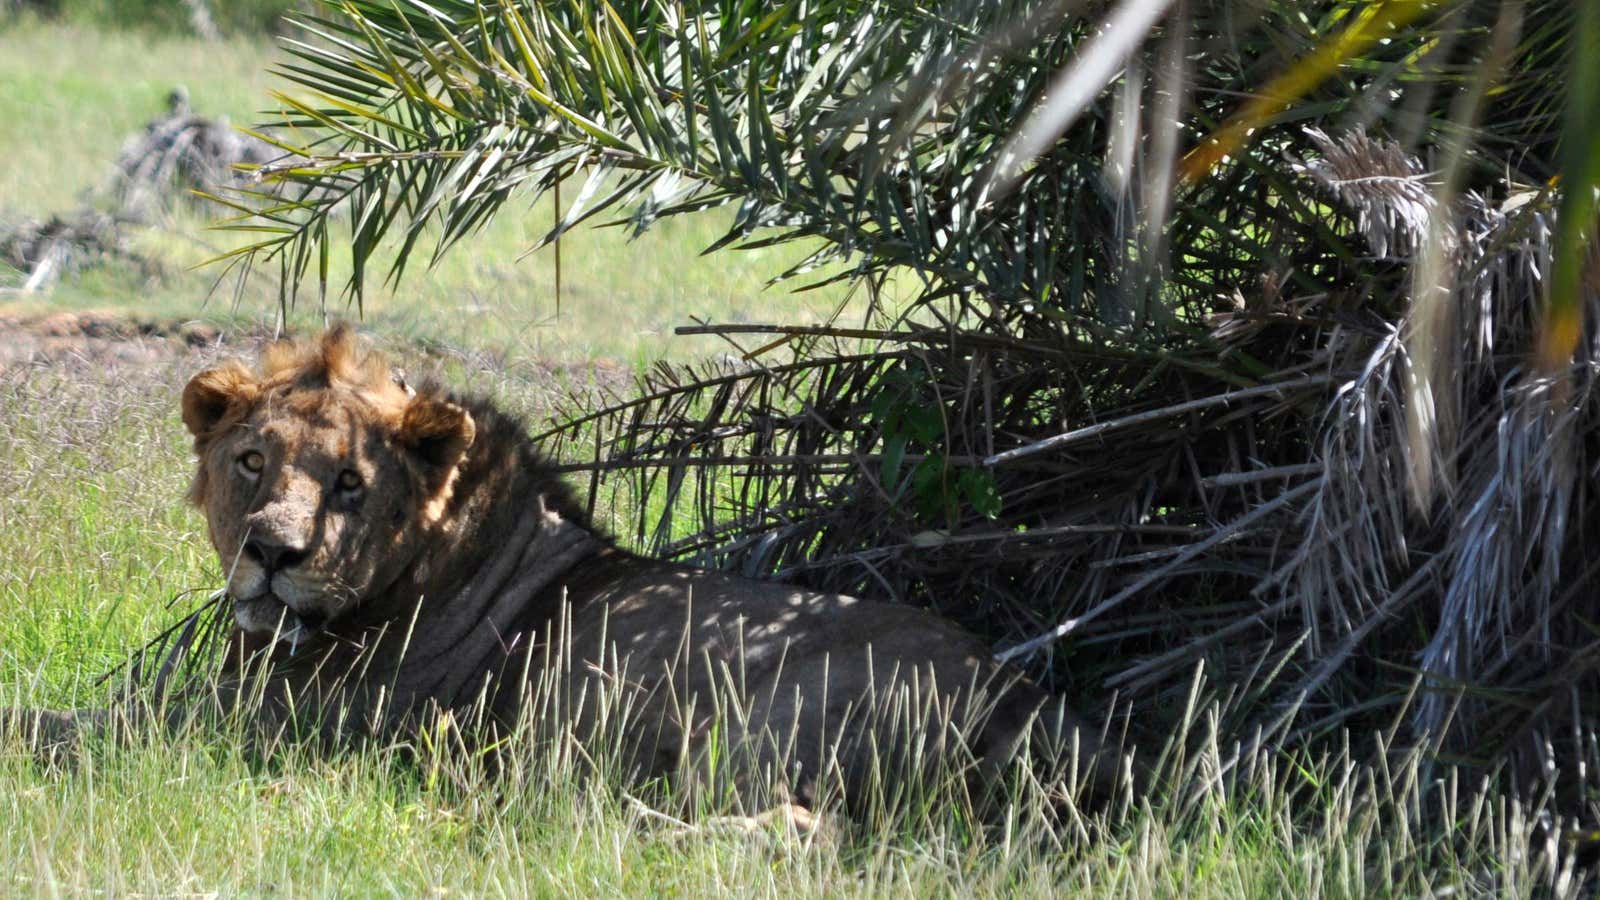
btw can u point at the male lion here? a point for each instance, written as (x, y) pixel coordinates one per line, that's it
(396, 555)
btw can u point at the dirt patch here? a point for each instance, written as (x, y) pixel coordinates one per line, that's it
(97, 338)
(113, 340)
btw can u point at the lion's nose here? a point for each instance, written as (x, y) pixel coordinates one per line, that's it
(271, 555)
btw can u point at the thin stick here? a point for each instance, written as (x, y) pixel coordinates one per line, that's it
(1070, 625)
(1088, 431)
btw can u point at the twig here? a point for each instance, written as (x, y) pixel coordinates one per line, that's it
(645, 810)
(44, 272)
(1234, 479)
(1068, 349)
(1166, 412)
(1068, 626)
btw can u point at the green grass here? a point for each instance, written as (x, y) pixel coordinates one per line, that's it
(73, 93)
(95, 543)
(232, 17)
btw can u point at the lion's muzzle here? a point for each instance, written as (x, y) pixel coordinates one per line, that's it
(266, 614)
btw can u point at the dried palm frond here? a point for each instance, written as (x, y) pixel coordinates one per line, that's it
(1510, 590)
(1233, 525)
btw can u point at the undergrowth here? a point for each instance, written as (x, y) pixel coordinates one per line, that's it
(94, 542)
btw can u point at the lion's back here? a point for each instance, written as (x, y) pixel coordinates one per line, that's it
(821, 676)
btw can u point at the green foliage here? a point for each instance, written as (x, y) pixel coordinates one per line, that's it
(1575, 259)
(911, 417)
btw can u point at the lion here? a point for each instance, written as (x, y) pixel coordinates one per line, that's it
(394, 554)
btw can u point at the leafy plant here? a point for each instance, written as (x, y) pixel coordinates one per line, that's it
(912, 418)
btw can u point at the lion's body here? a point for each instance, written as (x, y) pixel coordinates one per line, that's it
(392, 555)
(829, 686)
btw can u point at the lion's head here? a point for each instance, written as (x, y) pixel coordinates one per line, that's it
(320, 476)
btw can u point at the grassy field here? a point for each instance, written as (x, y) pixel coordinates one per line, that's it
(73, 94)
(95, 545)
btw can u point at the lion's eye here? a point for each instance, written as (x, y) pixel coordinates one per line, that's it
(349, 480)
(253, 462)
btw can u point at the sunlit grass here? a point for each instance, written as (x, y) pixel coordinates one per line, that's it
(73, 94)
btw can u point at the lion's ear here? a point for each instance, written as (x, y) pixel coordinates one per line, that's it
(437, 430)
(217, 397)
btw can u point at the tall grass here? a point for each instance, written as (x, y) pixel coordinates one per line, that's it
(94, 543)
